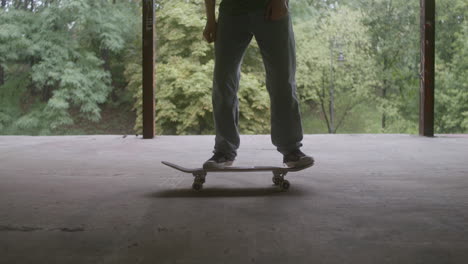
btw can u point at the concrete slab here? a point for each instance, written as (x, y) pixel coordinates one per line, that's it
(108, 199)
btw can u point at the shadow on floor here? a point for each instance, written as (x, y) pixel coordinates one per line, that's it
(226, 192)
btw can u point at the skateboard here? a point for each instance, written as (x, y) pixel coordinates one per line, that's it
(199, 174)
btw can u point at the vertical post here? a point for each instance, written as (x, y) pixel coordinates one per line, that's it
(148, 69)
(426, 106)
(332, 89)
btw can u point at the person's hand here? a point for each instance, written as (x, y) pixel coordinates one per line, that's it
(277, 9)
(210, 31)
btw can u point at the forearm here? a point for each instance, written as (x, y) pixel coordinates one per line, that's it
(210, 10)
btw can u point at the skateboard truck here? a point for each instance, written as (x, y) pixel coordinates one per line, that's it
(278, 179)
(199, 180)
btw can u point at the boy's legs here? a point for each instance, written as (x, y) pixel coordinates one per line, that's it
(232, 38)
(277, 46)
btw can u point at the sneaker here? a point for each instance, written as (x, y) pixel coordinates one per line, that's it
(218, 161)
(297, 158)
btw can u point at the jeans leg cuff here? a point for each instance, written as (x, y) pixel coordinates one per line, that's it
(289, 148)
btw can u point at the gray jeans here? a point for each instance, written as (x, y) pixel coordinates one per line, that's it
(277, 46)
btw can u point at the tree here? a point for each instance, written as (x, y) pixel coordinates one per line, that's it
(321, 80)
(61, 58)
(451, 87)
(393, 28)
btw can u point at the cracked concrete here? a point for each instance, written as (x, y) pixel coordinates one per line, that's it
(108, 199)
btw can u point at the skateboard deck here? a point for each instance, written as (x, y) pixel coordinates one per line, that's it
(200, 173)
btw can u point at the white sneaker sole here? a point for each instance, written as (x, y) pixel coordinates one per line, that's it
(306, 161)
(214, 165)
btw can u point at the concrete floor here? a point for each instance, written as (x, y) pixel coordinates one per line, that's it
(108, 199)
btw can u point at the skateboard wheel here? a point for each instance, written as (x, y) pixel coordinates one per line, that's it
(276, 180)
(200, 180)
(285, 185)
(197, 186)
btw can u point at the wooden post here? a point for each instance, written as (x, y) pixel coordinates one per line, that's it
(426, 106)
(148, 69)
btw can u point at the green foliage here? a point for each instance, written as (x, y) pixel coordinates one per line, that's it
(319, 47)
(133, 73)
(64, 61)
(393, 28)
(10, 101)
(60, 47)
(451, 108)
(450, 23)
